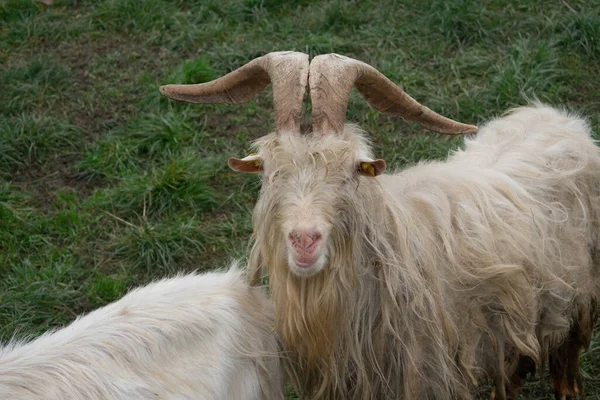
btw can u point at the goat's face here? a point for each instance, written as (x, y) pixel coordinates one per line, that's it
(308, 196)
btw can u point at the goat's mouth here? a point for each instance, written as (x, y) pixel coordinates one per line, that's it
(306, 266)
(304, 262)
(304, 259)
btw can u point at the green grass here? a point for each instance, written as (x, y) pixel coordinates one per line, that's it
(105, 185)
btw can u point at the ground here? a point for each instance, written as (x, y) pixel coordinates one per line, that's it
(105, 185)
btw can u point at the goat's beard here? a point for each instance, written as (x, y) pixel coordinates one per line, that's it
(309, 311)
(312, 314)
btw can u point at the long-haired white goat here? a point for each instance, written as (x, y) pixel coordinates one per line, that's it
(417, 284)
(191, 337)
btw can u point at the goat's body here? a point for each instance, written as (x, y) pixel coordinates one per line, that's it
(191, 337)
(441, 273)
(514, 220)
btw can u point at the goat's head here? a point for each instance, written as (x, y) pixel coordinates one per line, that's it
(310, 180)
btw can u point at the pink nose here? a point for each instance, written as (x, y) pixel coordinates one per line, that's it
(305, 242)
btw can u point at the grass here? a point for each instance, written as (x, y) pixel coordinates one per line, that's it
(105, 185)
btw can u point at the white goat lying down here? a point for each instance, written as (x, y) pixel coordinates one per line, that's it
(419, 283)
(192, 337)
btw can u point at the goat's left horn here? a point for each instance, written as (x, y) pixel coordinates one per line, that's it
(331, 78)
(287, 70)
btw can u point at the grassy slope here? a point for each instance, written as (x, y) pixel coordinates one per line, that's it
(105, 185)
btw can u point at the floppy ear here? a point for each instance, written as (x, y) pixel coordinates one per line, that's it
(368, 167)
(251, 164)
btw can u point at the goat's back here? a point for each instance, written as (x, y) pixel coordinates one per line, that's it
(190, 337)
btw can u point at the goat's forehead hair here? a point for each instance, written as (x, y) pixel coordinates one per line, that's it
(353, 142)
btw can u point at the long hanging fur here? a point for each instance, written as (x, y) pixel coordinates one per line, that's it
(194, 337)
(437, 273)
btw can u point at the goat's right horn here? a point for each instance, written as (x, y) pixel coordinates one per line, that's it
(331, 78)
(287, 70)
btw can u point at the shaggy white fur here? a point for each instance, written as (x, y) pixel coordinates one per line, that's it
(439, 274)
(206, 336)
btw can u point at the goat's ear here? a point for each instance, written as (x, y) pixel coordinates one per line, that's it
(251, 164)
(368, 167)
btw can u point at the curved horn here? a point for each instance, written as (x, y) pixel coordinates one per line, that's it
(331, 78)
(287, 70)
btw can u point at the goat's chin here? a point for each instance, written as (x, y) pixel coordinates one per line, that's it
(307, 272)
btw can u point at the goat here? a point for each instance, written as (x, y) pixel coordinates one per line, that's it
(206, 336)
(419, 283)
